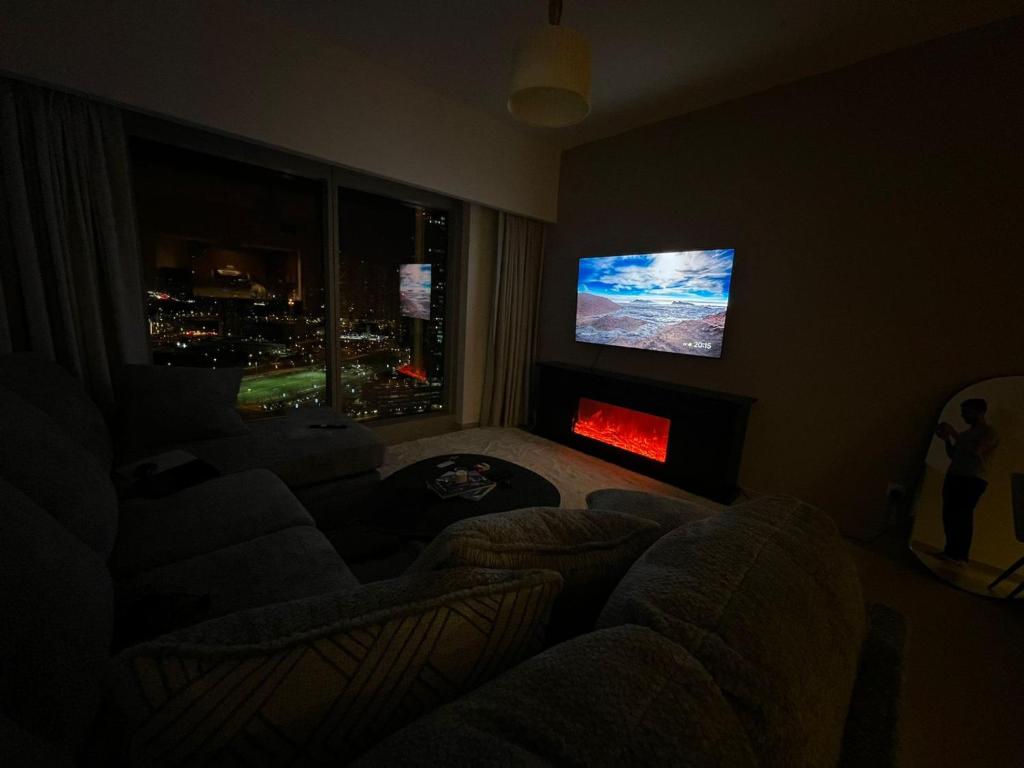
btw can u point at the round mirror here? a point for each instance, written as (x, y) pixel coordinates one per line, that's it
(969, 510)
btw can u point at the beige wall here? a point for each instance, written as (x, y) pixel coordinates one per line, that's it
(477, 279)
(222, 65)
(877, 214)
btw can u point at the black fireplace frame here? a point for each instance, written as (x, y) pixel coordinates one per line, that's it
(705, 440)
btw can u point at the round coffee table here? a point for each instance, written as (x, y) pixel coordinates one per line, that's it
(404, 506)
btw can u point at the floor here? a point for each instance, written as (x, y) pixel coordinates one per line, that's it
(574, 474)
(964, 699)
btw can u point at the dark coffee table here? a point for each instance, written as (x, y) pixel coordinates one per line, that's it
(404, 506)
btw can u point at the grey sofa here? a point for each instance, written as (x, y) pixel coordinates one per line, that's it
(737, 638)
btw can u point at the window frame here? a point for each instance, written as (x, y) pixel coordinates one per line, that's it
(331, 177)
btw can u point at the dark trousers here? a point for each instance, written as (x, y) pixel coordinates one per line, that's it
(960, 495)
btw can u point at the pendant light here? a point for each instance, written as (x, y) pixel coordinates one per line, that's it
(551, 81)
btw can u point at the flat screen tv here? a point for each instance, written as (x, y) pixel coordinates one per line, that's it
(414, 290)
(674, 301)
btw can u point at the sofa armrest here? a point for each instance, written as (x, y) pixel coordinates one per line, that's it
(323, 678)
(871, 738)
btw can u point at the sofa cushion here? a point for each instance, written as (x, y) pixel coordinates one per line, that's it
(299, 454)
(766, 596)
(56, 609)
(316, 681)
(164, 405)
(218, 513)
(667, 512)
(590, 549)
(51, 389)
(286, 565)
(20, 749)
(619, 697)
(57, 473)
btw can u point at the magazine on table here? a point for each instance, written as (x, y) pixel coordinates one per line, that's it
(466, 484)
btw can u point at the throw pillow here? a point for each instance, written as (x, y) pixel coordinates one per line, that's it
(58, 474)
(162, 405)
(53, 390)
(319, 680)
(591, 549)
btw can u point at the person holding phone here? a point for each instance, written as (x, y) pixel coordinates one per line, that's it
(965, 481)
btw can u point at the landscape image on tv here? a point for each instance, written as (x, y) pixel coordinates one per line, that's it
(670, 302)
(414, 290)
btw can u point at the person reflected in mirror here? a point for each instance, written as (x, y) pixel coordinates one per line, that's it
(965, 481)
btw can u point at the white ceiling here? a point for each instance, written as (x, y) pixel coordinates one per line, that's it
(651, 59)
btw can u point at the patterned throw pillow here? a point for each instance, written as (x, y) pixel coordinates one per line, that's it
(319, 680)
(591, 549)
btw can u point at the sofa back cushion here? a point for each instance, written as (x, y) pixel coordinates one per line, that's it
(623, 696)
(51, 389)
(160, 405)
(767, 598)
(59, 475)
(56, 610)
(590, 549)
(317, 681)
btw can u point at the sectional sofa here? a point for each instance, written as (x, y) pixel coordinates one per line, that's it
(218, 626)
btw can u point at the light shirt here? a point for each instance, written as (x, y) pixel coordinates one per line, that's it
(970, 454)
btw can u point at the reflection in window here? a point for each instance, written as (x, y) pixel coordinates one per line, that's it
(392, 274)
(232, 259)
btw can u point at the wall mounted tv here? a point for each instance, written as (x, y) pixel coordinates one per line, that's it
(675, 301)
(414, 290)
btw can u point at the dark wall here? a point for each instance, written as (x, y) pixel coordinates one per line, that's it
(877, 214)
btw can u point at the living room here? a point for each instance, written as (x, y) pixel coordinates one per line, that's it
(351, 330)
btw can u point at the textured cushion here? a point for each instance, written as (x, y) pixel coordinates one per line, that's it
(163, 405)
(590, 549)
(667, 512)
(290, 564)
(619, 697)
(215, 514)
(56, 610)
(314, 682)
(299, 455)
(871, 739)
(56, 473)
(53, 390)
(766, 596)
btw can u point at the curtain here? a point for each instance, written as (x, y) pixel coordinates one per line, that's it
(513, 331)
(70, 283)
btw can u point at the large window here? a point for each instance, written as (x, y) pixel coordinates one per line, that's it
(392, 281)
(233, 264)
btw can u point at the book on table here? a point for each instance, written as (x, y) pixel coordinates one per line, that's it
(472, 485)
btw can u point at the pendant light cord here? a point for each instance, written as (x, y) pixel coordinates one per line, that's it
(554, 12)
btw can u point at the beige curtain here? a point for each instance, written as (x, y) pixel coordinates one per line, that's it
(512, 342)
(70, 285)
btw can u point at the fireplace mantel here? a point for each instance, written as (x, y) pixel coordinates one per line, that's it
(706, 431)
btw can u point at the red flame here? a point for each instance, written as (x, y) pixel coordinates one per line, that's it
(414, 373)
(630, 430)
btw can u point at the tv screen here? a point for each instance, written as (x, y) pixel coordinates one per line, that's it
(414, 290)
(670, 302)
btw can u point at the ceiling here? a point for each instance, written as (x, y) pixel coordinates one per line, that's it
(651, 59)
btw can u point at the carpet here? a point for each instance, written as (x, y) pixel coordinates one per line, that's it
(574, 474)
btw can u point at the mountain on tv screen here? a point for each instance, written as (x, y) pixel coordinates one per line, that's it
(414, 290)
(670, 302)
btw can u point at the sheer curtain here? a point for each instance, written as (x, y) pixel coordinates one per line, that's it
(513, 332)
(70, 285)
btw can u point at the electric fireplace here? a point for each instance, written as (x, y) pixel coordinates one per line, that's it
(641, 433)
(688, 437)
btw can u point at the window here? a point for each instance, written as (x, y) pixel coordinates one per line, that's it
(392, 285)
(234, 258)
(233, 264)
